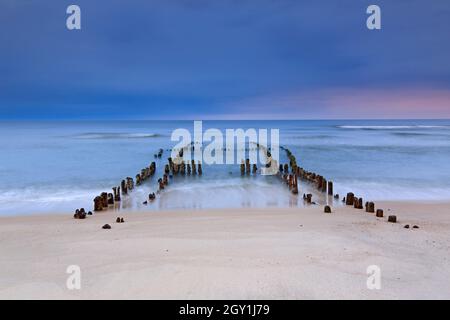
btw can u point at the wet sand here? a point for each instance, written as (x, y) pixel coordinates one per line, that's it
(298, 253)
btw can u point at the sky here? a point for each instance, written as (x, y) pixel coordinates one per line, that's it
(227, 59)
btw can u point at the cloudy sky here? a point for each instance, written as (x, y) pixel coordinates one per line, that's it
(240, 59)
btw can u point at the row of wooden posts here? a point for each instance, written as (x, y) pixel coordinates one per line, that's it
(324, 186)
(357, 203)
(246, 167)
(173, 168)
(291, 177)
(104, 200)
(183, 168)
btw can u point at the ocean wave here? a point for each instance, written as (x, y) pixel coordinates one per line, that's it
(419, 134)
(36, 195)
(388, 192)
(116, 135)
(395, 127)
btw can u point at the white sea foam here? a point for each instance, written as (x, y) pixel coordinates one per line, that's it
(116, 135)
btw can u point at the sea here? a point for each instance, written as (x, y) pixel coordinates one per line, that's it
(59, 166)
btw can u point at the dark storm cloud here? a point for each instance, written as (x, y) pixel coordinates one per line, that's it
(162, 59)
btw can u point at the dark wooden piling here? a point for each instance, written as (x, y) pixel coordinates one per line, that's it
(160, 184)
(319, 180)
(379, 213)
(104, 197)
(200, 171)
(392, 219)
(116, 192)
(110, 199)
(123, 185)
(295, 187)
(370, 207)
(242, 168)
(194, 168)
(247, 166)
(327, 209)
(358, 203)
(130, 183)
(98, 203)
(330, 188)
(349, 200)
(138, 180)
(324, 185)
(80, 214)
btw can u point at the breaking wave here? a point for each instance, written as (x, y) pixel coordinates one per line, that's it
(116, 135)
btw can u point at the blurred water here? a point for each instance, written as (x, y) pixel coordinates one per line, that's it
(60, 166)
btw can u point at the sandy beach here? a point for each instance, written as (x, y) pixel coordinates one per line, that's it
(299, 253)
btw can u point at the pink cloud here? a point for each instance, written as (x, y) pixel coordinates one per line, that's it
(346, 103)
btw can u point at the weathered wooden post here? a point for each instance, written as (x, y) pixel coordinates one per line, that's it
(370, 207)
(138, 179)
(379, 213)
(152, 168)
(360, 204)
(392, 219)
(349, 200)
(324, 185)
(242, 168)
(254, 169)
(110, 199)
(327, 209)
(130, 183)
(330, 188)
(200, 171)
(295, 189)
(161, 184)
(104, 197)
(194, 168)
(188, 169)
(319, 182)
(116, 191)
(124, 187)
(98, 203)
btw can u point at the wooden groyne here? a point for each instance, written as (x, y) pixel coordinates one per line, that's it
(291, 172)
(174, 167)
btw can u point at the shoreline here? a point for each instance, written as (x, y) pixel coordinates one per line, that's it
(273, 253)
(150, 210)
